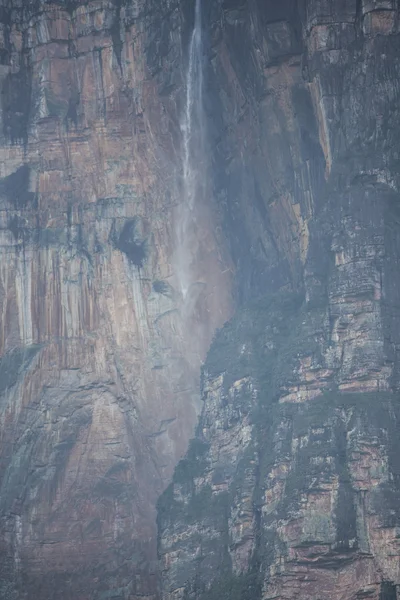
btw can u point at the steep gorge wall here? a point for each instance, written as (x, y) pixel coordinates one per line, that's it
(291, 487)
(292, 484)
(99, 356)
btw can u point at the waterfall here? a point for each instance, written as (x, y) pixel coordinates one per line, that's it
(201, 273)
(193, 157)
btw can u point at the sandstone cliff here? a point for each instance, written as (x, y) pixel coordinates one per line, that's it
(100, 352)
(291, 487)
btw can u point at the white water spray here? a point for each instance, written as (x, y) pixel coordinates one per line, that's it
(201, 274)
(193, 157)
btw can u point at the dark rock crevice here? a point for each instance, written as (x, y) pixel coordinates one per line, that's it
(312, 487)
(291, 486)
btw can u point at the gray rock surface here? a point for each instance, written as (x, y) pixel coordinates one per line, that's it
(291, 486)
(99, 353)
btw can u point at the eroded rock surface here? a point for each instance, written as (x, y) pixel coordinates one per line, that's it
(99, 352)
(291, 487)
(279, 498)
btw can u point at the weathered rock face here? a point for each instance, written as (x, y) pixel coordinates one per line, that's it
(99, 353)
(291, 487)
(282, 499)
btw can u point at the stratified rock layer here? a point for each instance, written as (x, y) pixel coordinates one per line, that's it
(282, 499)
(100, 353)
(291, 487)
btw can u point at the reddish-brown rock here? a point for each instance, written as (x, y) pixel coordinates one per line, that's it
(291, 487)
(100, 353)
(110, 292)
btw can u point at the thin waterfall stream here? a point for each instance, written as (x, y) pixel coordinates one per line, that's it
(201, 269)
(193, 157)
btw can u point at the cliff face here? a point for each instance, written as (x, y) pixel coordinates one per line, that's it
(291, 486)
(100, 352)
(276, 498)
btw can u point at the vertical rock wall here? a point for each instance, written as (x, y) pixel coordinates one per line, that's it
(290, 489)
(291, 486)
(99, 358)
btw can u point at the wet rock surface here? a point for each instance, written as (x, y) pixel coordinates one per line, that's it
(99, 355)
(291, 486)
(280, 498)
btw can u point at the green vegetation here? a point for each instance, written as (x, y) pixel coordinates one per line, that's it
(231, 587)
(269, 316)
(264, 341)
(8, 577)
(194, 462)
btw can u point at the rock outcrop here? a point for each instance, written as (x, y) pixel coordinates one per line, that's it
(279, 498)
(291, 486)
(100, 353)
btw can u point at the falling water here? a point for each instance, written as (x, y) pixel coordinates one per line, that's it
(193, 155)
(201, 270)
